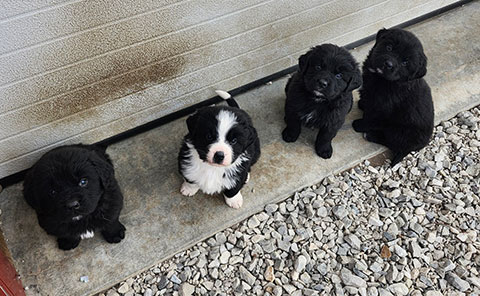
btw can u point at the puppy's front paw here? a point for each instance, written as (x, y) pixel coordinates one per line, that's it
(359, 125)
(324, 151)
(289, 136)
(68, 243)
(189, 189)
(114, 234)
(235, 202)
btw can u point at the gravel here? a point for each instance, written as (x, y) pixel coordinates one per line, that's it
(372, 230)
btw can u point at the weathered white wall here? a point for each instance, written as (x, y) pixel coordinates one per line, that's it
(83, 70)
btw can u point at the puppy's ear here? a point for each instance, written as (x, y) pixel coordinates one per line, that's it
(355, 80)
(192, 123)
(303, 62)
(252, 135)
(29, 190)
(421, 69)
(381, 33)
(103, 167)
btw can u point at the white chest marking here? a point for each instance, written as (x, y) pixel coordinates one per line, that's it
(309, 116)
(87, 234)
(210, 179)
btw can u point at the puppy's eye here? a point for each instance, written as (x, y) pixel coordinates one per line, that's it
(318, 67)
(209, 137)
(233, 141)
(83, 182)
(53, 192)
(339, 76)
(405, 63)
(388, 47)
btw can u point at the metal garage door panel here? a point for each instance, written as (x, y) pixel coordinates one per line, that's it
(96, 82)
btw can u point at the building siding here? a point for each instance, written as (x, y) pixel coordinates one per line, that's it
(81, 71)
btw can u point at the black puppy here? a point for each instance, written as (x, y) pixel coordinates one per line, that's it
(319, 95)
(396, 101)
(218, 151)
(74, 191)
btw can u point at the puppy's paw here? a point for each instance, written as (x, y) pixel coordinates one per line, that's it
(67, 243)
(189, 189)
(289, 136)
(235, 202)
(324, 151)
(359, 126)
(248, 178)
(115, 234)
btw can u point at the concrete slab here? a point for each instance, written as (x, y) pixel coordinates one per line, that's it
(160, 222)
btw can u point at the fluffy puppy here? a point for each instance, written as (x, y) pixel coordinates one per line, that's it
(218, 151)
(396, 101)
(319, 95)
(73, 191)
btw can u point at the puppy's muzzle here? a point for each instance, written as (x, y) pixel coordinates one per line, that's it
(73, 205)
(388, 64)
(219, 154)
(218, 157)
(322, 83)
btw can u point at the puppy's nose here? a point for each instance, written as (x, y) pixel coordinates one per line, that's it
(323, 83)
(73, 205)
(218, 157)
(388, 64)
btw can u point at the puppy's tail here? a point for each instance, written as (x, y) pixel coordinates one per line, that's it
(227, 97)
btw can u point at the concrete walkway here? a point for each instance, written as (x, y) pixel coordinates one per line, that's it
(160, 222)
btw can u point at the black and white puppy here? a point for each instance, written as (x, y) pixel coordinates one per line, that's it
(218, 151)
(396, 101)
(74, 191)
(319, 95)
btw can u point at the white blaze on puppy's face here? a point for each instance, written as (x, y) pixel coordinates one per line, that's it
(226, 120)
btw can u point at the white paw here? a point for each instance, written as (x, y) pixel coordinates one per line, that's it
(189, 189)
(87, 234)
(248, 178)
(235, 202)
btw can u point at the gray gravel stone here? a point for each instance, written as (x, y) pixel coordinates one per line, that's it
(399, 289)
(339, 211)
(349, 279)
(246, 275)
(186, 289)
(300, 263)
(457, 282)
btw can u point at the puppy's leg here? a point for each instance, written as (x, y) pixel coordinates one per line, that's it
(376, 137)
(114, 232)
(233, 197)
(323, 143)
(189, 189)
(293, 129)
(68, 243)
(361, 104)
(361, 125)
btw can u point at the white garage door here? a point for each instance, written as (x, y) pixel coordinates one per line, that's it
(84, 70)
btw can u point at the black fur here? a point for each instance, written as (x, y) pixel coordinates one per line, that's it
(396, 101)
(52, 188)
(319, 95)
(202, 132)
